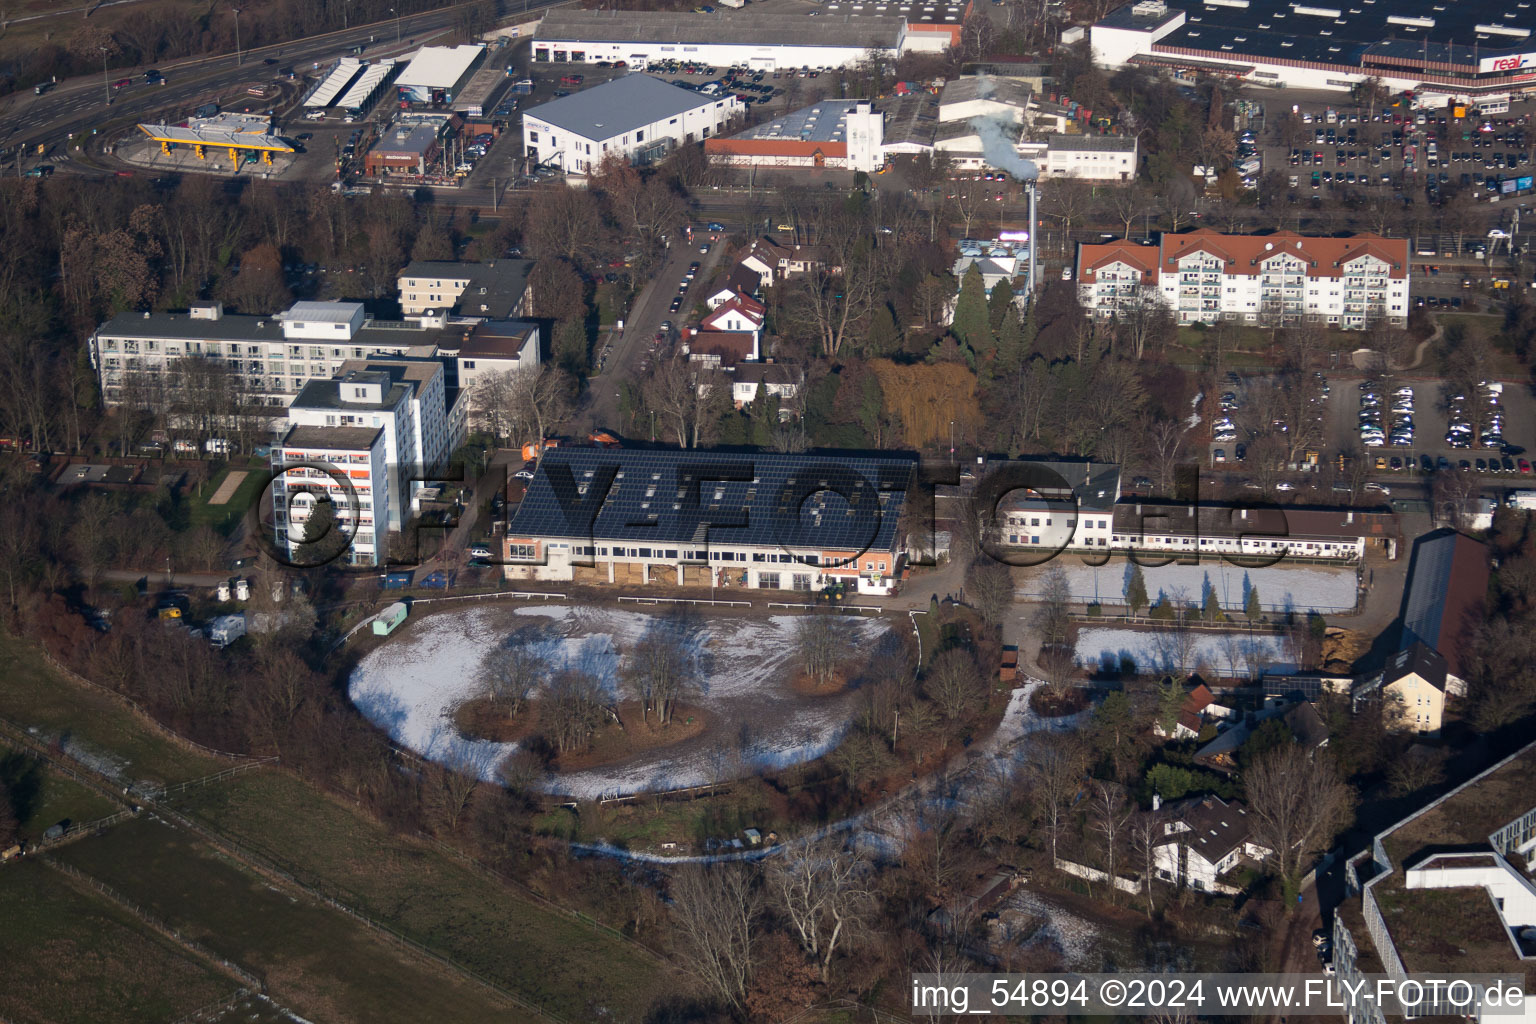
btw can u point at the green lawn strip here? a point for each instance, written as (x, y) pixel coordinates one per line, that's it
(44, 797)
(220, 517)
(33, 695)
(544, 956)
(69, 956)
(315, 959)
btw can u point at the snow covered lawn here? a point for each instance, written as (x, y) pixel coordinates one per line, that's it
(411, 685)
(1281, 588)
(1105, 648)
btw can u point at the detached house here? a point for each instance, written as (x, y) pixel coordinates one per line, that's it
(764, 379)
(1203, 839)
(772, 262)
(1411, 688)
(730, 334)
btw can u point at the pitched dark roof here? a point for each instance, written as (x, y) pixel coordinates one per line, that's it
(1447, 584)
(1415, 659)
(1216, 827)
(825, 502)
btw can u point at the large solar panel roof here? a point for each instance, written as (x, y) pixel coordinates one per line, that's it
(826, 502)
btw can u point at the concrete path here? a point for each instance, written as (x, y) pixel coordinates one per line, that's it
(228, 488)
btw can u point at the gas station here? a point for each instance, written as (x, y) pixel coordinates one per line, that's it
(239, 135)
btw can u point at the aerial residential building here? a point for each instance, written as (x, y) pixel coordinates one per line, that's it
(771, 262)
(137, 356)
(712, 519)
(1205, 838)
(438, 414)
(1410, 688)
(347, 464)
(638, 118)
(1443, 889)
(493, 290)
(1204, 276)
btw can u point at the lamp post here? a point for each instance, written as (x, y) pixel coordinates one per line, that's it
(239, 59)
(396, 12)
(106, 88)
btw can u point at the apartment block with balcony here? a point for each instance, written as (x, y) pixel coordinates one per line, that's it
(145, 359)
(1204, 276)
(349, 465)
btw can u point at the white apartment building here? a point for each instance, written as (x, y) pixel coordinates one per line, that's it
(1204, 276)
(348, 464)
(637, 117)
(376, 401)
(270, 357)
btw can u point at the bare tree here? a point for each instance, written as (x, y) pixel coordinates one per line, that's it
(824, 890)
(1110, 816)
(1298, 803)
(516, 670)
(1165, 443)
(822, 640)
(575, 706)
(989, 586)
(953, 682)
(662, 670)
(1145, 831)
(541, 399)
(1055, 766)
(1053, 616)
(716, 910)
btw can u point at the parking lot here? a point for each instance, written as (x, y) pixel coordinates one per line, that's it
(1498, 458)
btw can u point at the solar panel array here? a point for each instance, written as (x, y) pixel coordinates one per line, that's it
(812, 501)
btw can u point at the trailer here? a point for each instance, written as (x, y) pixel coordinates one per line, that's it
(1522, 500)
(226, 629)
(389, 619)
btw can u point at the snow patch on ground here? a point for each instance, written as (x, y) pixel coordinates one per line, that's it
(411, 686)
(1281, 589)
(1105, 648)
(1073, 937)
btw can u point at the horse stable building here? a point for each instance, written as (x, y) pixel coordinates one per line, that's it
(701, 518)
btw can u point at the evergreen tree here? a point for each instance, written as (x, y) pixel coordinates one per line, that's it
(1010, 343)
(570, 346)
(1000, 304)
(1251, 607)
(324, 537)
(1170, 701)
(884, 338)
(1136, 590)
(972, 324)
(1210, 605)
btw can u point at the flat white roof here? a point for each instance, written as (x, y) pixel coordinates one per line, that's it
(326, 92)
(322, 312)
(368, 81)
(440, 67)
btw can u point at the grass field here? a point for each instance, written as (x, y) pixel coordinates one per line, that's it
(68, 956)
(540, 954)
(43, 798)
(33, 695)
(224, 517)
(323, 964)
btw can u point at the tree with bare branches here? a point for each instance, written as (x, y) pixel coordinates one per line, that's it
(1111, 814)
(1055, 766)
(716, 910)
(824, 890)
(661, 668)
(822, 640)
(516, 669)
(1298, 803)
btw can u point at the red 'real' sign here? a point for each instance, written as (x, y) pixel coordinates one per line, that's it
(1508, 63)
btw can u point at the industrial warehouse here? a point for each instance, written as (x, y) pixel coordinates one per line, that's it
(763, 42)
(1442, 50)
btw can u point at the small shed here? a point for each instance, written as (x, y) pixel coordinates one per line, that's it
(388, 619)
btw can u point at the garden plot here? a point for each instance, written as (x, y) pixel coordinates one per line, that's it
(1281, 588)
(1234, 654)
(411, 685)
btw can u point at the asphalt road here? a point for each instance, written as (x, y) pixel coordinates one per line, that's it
(81, 104)
(629, 352)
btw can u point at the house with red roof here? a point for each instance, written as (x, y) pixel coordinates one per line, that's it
(1204, 276)
(729, 334)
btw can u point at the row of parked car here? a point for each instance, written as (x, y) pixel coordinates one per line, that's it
(1459, 429)
(1373, 416)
